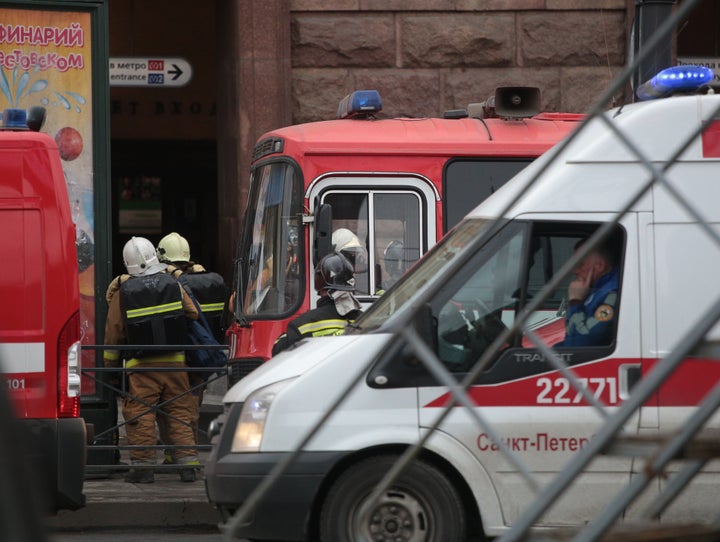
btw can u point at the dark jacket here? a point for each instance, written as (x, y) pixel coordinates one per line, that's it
(319, 322)
(209, 289)
(141, 296)
(592, 322)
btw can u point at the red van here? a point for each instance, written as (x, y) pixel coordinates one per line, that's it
(39, 322)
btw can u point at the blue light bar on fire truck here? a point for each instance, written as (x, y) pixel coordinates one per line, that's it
(19, 119)
(361, 103)
(14, 119)
(675, 79)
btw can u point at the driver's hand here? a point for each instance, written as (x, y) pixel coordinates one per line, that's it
(579, 288)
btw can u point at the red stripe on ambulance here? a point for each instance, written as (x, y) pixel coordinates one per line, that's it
(601, 378)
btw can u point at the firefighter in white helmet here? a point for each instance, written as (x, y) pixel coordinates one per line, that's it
(349, 245)
(148, 307)
(395, 263)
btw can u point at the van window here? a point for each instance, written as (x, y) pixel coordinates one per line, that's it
(389, 228)
(468, 182)
(477, 302)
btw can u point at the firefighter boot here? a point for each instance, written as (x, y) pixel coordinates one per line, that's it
(187, 475)
(137, 476)
(140, 476)
(187, 472)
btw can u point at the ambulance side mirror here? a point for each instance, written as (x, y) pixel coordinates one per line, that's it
(426, 326)
(398, 365)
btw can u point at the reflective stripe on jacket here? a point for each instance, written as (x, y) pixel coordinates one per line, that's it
(319, 322)
(116, 332)
(153, 311)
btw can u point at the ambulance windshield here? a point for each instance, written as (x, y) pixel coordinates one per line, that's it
(429, 268)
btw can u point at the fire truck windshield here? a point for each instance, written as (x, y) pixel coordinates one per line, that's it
(273, 275)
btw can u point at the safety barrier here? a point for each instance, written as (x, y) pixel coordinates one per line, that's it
(100, 377)
(609, 438)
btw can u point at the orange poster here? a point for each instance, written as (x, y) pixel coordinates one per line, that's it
(45, 60)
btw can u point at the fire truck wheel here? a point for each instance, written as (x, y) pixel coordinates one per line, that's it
(421, 505)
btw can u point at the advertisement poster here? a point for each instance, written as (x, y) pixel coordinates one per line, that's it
(45, 60)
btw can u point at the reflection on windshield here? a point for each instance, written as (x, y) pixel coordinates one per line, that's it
(427, 269)
(274, 256)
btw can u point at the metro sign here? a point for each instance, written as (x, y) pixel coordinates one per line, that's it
(149, 72)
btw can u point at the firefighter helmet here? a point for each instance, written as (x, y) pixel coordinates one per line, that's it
(140, 257)
(347, 243)
(334, 272)
(173, 248)
(394, 258)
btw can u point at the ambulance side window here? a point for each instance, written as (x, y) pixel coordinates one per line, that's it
(506, 275)
(483, 298)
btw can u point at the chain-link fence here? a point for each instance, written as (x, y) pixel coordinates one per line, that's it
(645, 170)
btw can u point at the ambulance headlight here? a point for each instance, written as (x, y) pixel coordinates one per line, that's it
(249, 430)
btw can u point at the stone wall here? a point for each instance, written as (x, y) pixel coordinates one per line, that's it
(429, 56)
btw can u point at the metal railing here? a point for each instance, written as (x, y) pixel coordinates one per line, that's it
(547, 494)
(121, 391)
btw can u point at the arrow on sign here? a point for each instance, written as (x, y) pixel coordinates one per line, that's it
(176, 71)
(154, 71)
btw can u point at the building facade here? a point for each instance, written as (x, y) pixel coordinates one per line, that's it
(260, 65)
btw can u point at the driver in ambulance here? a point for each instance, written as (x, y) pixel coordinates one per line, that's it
(591, 315)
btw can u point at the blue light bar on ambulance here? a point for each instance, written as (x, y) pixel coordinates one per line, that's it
(361, 103)
(675, 79)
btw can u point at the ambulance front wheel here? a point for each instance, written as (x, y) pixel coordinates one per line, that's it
(421, 505)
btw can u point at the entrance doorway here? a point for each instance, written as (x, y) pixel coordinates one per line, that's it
(164, 186)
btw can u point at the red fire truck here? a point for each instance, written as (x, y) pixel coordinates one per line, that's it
(393, 187)
(40, 322)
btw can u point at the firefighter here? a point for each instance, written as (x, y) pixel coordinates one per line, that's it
(208, 287)
(395, 264)
(347, 243)
(211, 293)
(334, 282)
(591, 316)
(147, 306)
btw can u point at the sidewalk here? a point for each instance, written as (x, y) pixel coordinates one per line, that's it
(114, 503)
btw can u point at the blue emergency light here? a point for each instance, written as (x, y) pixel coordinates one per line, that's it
(675, 79)
(14, 119)
(361, 103)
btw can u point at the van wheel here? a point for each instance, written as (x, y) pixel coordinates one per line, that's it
(420, 506)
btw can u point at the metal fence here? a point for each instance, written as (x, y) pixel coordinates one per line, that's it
(662, 451)
(119, 450)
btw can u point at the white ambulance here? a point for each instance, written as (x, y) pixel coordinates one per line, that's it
(330, 417)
